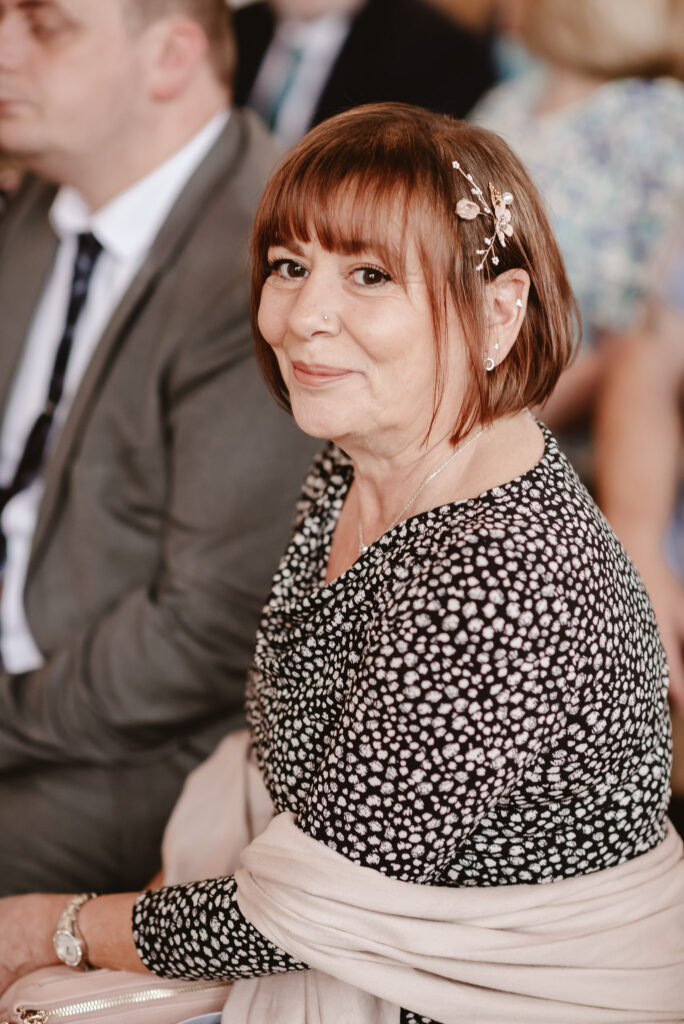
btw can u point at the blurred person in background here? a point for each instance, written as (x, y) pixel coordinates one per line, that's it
(639, 460)
(10, 180)
(501, 18)
(601, 128)
(146, 479)
(300, 61)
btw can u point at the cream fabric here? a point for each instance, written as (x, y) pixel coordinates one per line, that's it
(605, 948)
(223, 806)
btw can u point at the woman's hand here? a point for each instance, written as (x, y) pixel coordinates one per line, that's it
(27, 924)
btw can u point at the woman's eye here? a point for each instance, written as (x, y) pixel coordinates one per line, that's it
(370, 276)
(291, 270)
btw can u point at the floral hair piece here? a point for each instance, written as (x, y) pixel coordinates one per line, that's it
(469, 209)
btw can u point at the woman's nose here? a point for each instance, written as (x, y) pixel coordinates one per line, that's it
(314, 312)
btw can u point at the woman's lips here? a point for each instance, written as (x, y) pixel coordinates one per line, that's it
(316, 375)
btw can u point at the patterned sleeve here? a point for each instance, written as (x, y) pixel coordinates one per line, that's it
(198, 931)
(450, 703)
(453, 701)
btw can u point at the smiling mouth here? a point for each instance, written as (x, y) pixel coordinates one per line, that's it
(316, 376)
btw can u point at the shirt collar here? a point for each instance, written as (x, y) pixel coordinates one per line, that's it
(316, 34)
(127, 225)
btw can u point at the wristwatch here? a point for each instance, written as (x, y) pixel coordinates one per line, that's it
(68, 942)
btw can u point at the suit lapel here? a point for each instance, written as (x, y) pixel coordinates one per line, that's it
(212, 175)
(255, 27)
(347, 84)
(31, 247)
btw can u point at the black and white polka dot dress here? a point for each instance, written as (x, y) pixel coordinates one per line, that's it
(479, 700)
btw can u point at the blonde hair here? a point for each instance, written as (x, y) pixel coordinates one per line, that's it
(608, 38)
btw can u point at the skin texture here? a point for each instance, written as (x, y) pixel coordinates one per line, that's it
(370, 336)
(28, 924)
(155, 84)
(356, 349)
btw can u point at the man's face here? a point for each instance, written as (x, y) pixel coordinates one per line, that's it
(71, 80)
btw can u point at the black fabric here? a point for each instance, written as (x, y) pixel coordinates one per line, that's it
(480, 700)
(31, 460)
(676, 813)
(400, 50)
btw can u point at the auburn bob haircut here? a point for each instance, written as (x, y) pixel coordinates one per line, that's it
(366, 180)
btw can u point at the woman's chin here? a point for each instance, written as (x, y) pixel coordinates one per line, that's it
(323, 423)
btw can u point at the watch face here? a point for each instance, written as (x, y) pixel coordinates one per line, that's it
(68, 948)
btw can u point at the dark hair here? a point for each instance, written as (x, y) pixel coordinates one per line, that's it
(346, 182)
(214, 16)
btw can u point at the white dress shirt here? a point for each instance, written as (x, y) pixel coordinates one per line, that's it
(126, 227)
(318, 43)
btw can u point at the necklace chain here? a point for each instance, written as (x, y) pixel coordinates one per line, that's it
(414, 497)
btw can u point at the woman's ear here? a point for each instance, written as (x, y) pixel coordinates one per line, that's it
(180, 47)
(507, 301)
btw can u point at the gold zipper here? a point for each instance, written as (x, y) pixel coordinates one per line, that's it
(146, 995)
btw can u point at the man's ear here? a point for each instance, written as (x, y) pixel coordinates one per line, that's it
(506, 301)
(177, 47)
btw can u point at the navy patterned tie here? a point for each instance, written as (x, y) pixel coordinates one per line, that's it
(34, 450)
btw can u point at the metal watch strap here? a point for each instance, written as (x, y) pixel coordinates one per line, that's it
(68, 925)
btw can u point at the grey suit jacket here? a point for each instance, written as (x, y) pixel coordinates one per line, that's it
(168, 498)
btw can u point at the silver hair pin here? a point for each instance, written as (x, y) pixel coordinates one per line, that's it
(469, 209)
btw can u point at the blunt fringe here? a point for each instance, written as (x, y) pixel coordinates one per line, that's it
(367, 179)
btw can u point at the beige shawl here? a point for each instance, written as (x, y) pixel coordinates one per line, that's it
(604, 948)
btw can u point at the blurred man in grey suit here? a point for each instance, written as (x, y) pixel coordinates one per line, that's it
(147, 481)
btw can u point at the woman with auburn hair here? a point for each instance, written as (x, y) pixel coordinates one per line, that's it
(458, 726)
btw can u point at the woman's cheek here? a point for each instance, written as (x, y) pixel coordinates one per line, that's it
(262, 322)
(268, 318)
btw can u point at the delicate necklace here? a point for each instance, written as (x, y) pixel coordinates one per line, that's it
(428, 479)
